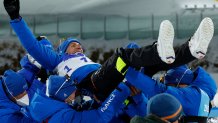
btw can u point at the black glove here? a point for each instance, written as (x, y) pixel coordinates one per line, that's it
(42, 75)
(12, 7)
(39, 38)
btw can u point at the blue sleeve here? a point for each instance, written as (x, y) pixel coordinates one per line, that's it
(25, 63)
(138, 106)
(47, 57)
(17, 118)
(144, 83)
(110, 106)
(205, 82)
(189, 97)
(36, 85)
(28, 75)
(101, 115)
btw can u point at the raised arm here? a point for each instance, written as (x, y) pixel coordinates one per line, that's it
(48, 58)
(107, 110)
(42, 107)
(144, 83)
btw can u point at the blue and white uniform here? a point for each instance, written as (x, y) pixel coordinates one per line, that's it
(63, 64)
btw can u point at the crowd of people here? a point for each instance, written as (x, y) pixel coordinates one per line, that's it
(53, 84)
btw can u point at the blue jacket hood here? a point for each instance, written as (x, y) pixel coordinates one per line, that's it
(205, 82)
(64, 45)
(43, 107)
(6, 103)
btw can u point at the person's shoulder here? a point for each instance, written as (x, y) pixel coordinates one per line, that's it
(139, 119)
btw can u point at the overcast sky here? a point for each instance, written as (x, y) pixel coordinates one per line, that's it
(85, 6)
(132, 7)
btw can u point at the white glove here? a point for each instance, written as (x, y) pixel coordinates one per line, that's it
(33, 61)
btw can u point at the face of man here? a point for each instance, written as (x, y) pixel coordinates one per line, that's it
(21, 99)
(73, 48)
(21, 95)
(71, 97)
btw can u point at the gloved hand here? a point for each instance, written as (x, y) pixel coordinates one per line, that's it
(42, 75)
(12, 7)
(133, 89)
(33, 61)
(26, 64)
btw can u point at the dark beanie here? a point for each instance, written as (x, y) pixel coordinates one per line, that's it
(165, 106)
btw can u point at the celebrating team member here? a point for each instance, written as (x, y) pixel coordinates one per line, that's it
(194, 90)
(102, 80)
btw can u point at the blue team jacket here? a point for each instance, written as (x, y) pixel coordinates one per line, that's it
(136, 105)
(29, 70)
(47, 57)
(33, 83)
(214, 112)
(190, 97)
(44, 108)
(10, 112)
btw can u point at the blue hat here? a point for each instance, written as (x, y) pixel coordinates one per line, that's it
(165, 106)
(63, 46)
(132, 45)
(60, 88)
(15, 84)
(179, 75)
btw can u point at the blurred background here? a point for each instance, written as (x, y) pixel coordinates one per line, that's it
(104, 25)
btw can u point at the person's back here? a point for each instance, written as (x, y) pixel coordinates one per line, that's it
(195, 100)
(14, 99)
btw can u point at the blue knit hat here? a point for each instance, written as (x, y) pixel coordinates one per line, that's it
(63, 46)
(132, 45)
(165, 106)
(179, 75)
(60, 88)
(15, 84)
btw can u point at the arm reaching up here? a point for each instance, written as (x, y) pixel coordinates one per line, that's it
(12, 7)
(47, 57)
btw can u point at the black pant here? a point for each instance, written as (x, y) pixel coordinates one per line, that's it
(107, 78)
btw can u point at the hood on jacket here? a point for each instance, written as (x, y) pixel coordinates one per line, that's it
(8, 107)
(205, 82)
(43, 107)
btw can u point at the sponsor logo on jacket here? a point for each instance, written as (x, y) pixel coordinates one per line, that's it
(105, 107)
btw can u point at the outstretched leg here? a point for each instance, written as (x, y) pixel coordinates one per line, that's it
(194, 48)
(112, 71)
(200, 40)
(160, 52)
(152, 57)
